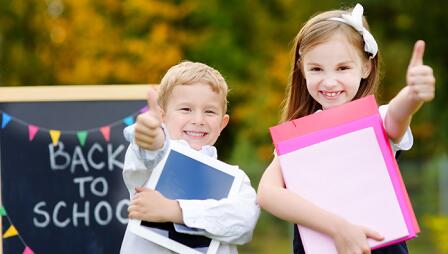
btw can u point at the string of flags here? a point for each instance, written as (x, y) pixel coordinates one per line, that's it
(12, 232)
(80, 134)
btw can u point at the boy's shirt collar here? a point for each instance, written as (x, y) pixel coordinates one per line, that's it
(207, 149)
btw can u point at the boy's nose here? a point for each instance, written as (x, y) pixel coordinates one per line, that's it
(198, 118)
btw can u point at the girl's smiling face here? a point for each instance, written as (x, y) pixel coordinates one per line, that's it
(333, 71)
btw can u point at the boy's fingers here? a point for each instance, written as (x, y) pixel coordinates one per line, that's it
(417, 54)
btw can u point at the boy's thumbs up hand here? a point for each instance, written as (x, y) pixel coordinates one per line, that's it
(148, 132)
(420, 79)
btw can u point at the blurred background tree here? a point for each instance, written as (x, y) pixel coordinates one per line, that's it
(68, 42)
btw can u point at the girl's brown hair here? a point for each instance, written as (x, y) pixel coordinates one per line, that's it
(319, 29)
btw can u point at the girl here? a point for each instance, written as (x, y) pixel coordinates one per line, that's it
(336, 61)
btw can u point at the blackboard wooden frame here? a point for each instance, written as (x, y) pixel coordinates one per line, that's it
(69, 94)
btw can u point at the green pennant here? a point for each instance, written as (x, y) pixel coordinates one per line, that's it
(2, 211)
(82, 136)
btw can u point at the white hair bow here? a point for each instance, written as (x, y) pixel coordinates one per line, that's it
(355, 20)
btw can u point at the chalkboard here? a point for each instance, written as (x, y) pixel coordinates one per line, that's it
(62, 152)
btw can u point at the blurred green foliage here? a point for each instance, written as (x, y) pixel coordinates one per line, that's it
(56, 42)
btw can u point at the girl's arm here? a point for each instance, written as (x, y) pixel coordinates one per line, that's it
(276, 199)
(419, 89)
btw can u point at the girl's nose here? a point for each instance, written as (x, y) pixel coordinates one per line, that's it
(329, 82)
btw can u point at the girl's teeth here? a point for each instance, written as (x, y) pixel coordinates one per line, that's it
(331, 94)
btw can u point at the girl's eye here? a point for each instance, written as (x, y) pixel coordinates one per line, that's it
(185, 109)
(315, 69)
(343, 68)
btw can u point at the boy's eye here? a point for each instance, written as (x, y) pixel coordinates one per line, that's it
(210, 112)
(185, 109)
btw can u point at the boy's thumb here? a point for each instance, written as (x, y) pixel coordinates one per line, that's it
(153, 106)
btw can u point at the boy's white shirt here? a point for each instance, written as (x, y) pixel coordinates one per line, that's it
(230, 221)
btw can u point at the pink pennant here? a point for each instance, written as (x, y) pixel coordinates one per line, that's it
(28, 250)
(105, 130)
(32, 130)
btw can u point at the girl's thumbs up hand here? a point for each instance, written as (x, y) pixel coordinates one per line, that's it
(420, 79)
(148, 132)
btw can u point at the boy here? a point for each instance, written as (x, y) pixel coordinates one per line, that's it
(193, 100)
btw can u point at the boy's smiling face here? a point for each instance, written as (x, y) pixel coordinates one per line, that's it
(195, 113)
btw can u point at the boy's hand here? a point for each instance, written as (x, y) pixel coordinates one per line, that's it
(420, 79)
(151, 205)
(148, 132)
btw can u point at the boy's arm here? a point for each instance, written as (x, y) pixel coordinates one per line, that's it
(420, 88)
(230, 220)
(148, 144)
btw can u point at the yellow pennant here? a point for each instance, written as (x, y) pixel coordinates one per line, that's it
(55, 134)
(12, 231)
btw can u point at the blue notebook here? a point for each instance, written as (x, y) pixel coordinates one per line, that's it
(185, 173)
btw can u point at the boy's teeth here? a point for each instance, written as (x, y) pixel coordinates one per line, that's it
(196, 134)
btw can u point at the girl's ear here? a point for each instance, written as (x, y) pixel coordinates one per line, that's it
(366, 69)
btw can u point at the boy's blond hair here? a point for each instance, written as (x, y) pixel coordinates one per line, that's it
(188, 73)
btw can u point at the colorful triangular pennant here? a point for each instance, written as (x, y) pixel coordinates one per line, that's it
(105, 130)
(28, 250)
(2, 211)
(5, 119)
(128, 120)
(82, 136)
(144, 109)
(12, 231)
(32, 130)
(55, 134)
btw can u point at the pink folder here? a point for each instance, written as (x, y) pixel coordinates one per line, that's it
(341, 160)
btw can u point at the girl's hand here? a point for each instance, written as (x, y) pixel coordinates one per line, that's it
(151, 205)
(420, 79)
(148, 131)
(352, 239)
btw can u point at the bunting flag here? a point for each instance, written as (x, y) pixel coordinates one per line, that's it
(105, 130)
(5, 119)
(32, 130)
(28, 250)
(2, 211)
(128, 120)
(12, 231)
(55, 134)
(82, 136)
(144, 109)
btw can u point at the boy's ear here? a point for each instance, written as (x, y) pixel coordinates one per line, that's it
(366, 69)
(225, 121)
